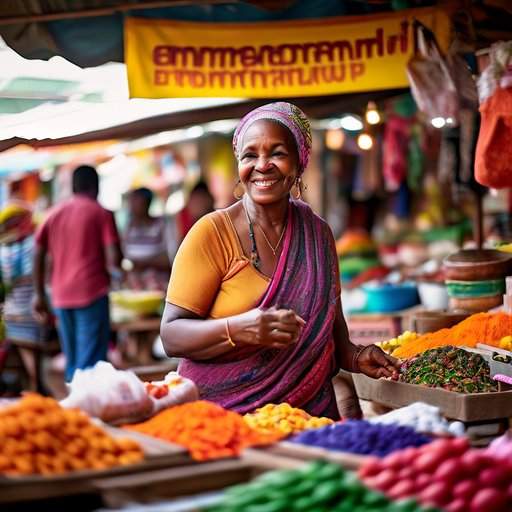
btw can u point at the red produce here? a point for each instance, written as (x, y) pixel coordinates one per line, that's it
(436, 494)
(409, 455)
(474, 461)
(465, 489)
(402, 489)
(489, 500)
(406, 473)
(428, 461)
(457, 505)
(449, 471)
(422, 480)
(385, 479)
(371, 467)
(394, 461)
(493, 477)
(459, 445)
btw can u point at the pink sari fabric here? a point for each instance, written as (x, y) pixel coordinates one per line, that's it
(305, 281)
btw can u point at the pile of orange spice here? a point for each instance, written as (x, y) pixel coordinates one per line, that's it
(207, 430)
(38, 436)
(486, 328)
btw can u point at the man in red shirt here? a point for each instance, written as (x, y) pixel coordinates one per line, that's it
(82, 240)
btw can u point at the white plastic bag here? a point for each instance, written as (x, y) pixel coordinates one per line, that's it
(114, 396)
(119, 396)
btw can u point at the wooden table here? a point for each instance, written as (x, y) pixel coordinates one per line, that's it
(137, 347)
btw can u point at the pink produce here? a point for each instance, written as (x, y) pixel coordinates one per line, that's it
(436, 494)
(371, 468)
(402, 489)
(465, 489)
(493, 477)
(457, 505)
(489, 500)
(385, 479)
(449, 471)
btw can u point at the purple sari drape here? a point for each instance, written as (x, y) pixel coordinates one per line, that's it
(305, 281)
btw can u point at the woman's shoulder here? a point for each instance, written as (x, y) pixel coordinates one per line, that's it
(309, 215)
(212, 228)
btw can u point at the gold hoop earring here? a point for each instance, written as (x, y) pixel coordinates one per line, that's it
(298, 189)
(236, 191)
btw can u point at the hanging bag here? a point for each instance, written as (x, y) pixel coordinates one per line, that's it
(440, 85)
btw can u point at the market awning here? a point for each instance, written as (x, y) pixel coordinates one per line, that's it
(183, 115)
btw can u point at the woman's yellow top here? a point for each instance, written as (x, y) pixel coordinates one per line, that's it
(211, 276)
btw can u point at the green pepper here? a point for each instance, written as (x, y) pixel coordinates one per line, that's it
(327, 491)
(329, 471)
(303, 504)
(274, 506)
(407, 505)
(304, 488)
(374, 499)
(280, 478)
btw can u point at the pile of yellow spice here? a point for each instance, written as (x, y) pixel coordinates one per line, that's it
(283, 419)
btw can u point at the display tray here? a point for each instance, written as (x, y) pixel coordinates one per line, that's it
(189, 480)
(305, 453)
(457, 406)
(158, 454)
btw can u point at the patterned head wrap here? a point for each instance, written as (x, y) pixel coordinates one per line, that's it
(288, 115)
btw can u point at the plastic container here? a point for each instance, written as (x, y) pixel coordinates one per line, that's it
(433, 295)
(141, 302)
(388, 297)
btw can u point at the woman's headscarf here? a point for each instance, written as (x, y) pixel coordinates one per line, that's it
(288, 115)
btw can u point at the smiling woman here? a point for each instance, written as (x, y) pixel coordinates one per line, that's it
(253, 304)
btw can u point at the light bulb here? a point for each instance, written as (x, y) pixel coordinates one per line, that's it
(351, 123)
(365, 141)
(372, 114)
(438, 122)
(334, 139)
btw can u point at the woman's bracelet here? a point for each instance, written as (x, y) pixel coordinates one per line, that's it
(229, 340)
(355, 363)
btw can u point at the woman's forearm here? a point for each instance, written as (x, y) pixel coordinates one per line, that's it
(194, 338)
(346, 351)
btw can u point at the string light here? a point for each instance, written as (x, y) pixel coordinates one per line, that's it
(365, 141)
(372, 114)
(334, 139)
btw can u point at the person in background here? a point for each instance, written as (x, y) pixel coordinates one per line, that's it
(200, 202)
(82, 241)
(148, 243)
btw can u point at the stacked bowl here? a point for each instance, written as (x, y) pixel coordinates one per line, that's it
(475, 278)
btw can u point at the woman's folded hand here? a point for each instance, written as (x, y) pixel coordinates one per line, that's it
(276, 328)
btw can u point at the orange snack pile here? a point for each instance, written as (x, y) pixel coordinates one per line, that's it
(488, 328)
(38, 436)
(207, 430)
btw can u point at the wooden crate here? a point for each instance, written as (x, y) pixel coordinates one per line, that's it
(287, 450)
(472, 407)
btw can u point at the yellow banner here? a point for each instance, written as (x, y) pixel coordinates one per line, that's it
(169, 59)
